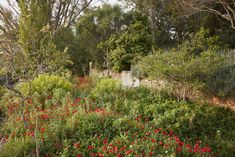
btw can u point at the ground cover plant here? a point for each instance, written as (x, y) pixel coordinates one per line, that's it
(45, 112)
(123, 122)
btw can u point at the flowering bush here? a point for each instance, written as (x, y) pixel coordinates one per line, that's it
(135, 123)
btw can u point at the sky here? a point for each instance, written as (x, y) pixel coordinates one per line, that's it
(109, 1)
(95, 3)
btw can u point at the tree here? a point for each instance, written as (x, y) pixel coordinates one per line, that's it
(222, 8)
(64, 13)
(156, 12)
(29, 50)
(94, 27)
(35, 37)
(130, 45)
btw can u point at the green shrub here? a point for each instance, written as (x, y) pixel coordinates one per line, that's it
(45, 84)
(199, 63)
(221, 82)
(18, 147)
(105, 88)
(2, 91)
(190, 120)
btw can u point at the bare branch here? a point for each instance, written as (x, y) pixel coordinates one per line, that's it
(226, 10)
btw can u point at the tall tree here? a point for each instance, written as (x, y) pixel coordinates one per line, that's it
(35, 24)
(155, 10)
(222, 8)
(94, 27)
(35, 37)
(127, 47)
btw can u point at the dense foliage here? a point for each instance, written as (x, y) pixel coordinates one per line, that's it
(45, 111)
(196, 63)
(127, 47)
(135, 122)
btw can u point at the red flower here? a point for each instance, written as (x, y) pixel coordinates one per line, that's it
(196, 150)
(49, 97)
(77, 100)
(30, 101)
(123, 148)
(76, 145)
(119, 155)
(160, 143)
(205, 149)
(180, 144)
(104, 148)
(79, 155)
(90, 147)
(164, 133)
(110, 151)
(31, 134)
(43, 130)
(44, 116)
(115, 149)
(177, 139)
(179, 149)
(100, 155)
(105, 141)
(153, 140)
(188, 146)
(156, 131)
(74, 111)
(196, 146)
(129, 152)
(208, 149)
(58, 145)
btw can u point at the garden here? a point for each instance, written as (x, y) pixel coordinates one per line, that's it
(106, 119)
(51, 104)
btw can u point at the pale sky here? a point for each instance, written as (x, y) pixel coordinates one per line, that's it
(96, 2)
